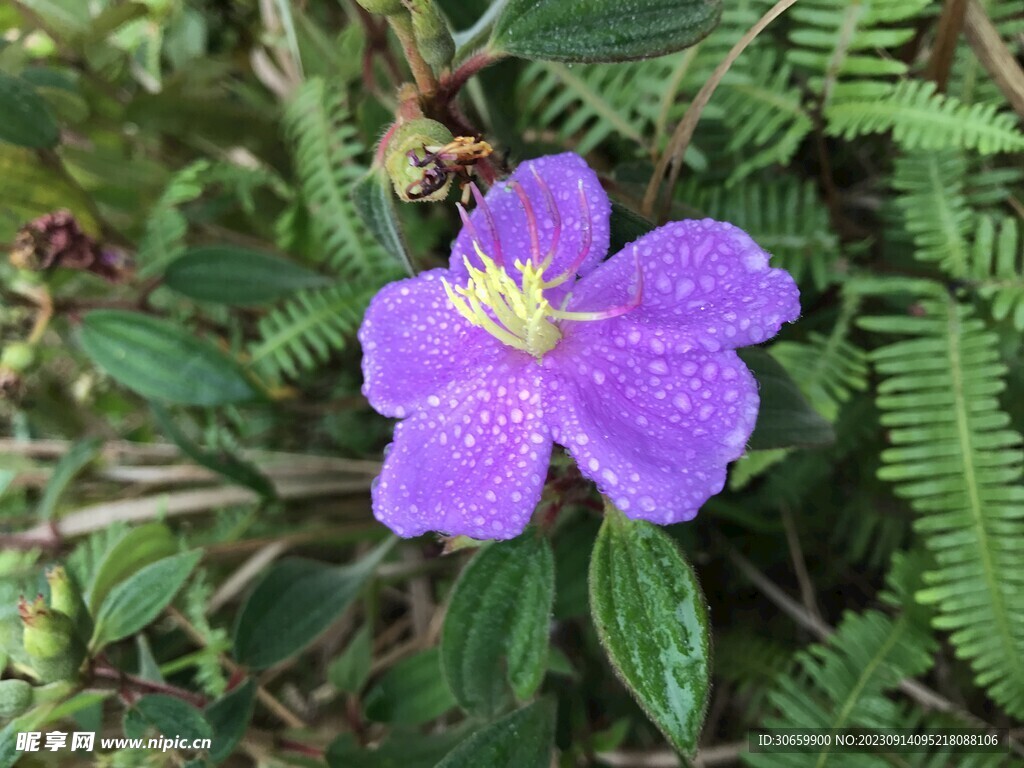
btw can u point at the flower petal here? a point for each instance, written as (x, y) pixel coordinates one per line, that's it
(473, 461)
(415, 343)
(706, 280)
(562, 174)
(653, 428)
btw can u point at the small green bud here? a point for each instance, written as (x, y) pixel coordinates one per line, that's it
(18, 356)
(433, 37)
(66, 598)
(51, 641)
(415, 174)
(15, 698)
(383, 7)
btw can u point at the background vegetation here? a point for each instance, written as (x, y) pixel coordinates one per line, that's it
(184, 430)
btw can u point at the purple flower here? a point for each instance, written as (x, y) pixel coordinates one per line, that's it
(530, 339)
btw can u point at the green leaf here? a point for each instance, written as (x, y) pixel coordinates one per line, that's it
(375, 205)
(161, 360)
(136, 549)
(626, 226)
(229, 718)
(228, 274)
(609, 30)
(349, 671)
(411, 692)
(652, 621)
(169, 716)
(27, 121)
(136, 601)
(785, 418)
(294, 602)
(519, 740)
(222, 462)
(78, 457)
(500, 609)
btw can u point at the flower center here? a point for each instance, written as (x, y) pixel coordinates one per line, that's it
(517, 313)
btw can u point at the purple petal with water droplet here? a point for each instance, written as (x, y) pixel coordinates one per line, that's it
(652, 428)
(472, 462)
(705, 280)
(415, 343)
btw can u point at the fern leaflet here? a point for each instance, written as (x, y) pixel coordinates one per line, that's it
(997, 263)
(326, 150)
(920, 118)
(957, 461)
(309, 327)
(839, 41)
(842, 683)
(934, 208)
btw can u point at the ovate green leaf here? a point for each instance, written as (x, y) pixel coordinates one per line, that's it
(162, 360)
(228, 274)
(137, 600)
(295, 601)
(27, 120)
(653, 623)
(500, 610)
(603, 30)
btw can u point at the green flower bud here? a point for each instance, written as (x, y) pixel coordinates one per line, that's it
(383, 7)
(51, 641)
(415, 174)
(66, 598)
(433, 37)
(18, 356)
(15, 698)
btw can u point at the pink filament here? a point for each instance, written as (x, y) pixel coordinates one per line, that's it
(585, 248)
(549, 199)
(481, 204)
(531, 222)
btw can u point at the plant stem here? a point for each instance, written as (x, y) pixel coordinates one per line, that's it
(421, 71)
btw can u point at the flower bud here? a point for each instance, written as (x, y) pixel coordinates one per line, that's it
(66, 598)
(415, 173)
(433, 38)
(382, 7)
(53, 646)
(15, 698)
(18, 356)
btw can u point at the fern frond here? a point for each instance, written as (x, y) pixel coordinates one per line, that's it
(585, 105)
(828, 369)
(842, 683)
(934, 208)
(327, 152)
(920, 118)
(309, 327)
(166, 226)
(955, 458)
(764, 112)
(997, 264)
(839, 43)
(784, 216)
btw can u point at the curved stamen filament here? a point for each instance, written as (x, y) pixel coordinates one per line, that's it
(556, 219)
(573, 268)
(481, 204)
(531, 221)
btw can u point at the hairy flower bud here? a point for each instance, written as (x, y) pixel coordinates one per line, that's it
(66, 598)
(15, 698)
(415, 172)
(51, 641)
(433, 37)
